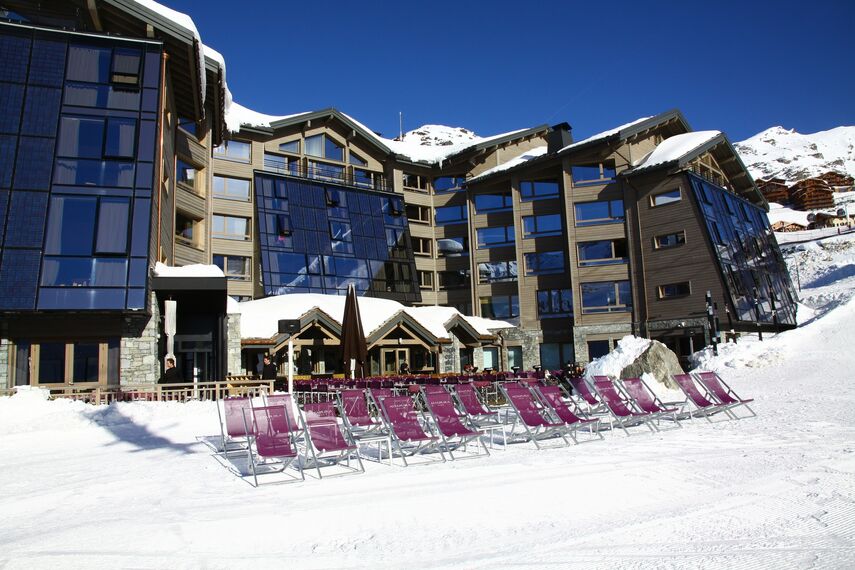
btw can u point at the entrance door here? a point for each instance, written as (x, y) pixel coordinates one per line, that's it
(392, 359)
(194, 355)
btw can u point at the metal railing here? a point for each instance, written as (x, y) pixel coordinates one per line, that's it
(342, 176)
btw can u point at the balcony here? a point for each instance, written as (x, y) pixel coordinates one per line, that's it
(337, 174)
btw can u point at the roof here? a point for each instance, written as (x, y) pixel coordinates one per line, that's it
(260, 318)
(522, 158)
(628, 130)
(677, 149)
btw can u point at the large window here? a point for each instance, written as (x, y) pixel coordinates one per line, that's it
(497, 271)
(291, 146)
(451, 246)
(492, 202)
(554, 355)
(500, 307)
(326, 171)
(667, 197)
(416, 213)
(606, 297)
(234, 266)
(66, 362)
(448, 183)
(541, 226)
(233, 150)
(415, 182)
(669, 240)
(450, 215)
(324, 146)
(544, 263)
(495, 237)
(538, 189)
(231, 188)
(602, 212)
(281, 164)
(230, 227)
(593, 173)
(603, 252)
(73, 228)
(458, 279)
(186, 174)
(555, 303)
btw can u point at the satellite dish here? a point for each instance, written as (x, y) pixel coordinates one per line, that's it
(811, 217)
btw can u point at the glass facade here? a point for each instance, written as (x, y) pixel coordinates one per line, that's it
(751, 263)
(78, 118)
(318, 238)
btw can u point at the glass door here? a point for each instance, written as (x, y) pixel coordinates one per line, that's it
(392, 358)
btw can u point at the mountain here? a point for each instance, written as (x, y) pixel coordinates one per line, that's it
(787, 154)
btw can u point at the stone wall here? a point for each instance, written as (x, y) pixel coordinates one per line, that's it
(581, 333)
(233, 360)
(528, 339)
(5, 346)
(138, 350)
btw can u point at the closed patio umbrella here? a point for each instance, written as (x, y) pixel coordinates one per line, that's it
(354, 350)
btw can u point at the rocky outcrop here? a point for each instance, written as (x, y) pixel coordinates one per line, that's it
(658, 360)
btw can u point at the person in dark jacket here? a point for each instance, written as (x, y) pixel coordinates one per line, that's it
(171, 375)
(268, 371)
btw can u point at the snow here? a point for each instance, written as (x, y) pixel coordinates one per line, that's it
(260, 317)
(515, 161)
(674, 148)
(793, 156)
(135, 485)
(435, 143)
(604, 134)
(195, 270)
(237, 115)
(629, 348)
(779, 213)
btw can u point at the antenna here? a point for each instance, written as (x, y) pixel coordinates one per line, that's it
(400, 125)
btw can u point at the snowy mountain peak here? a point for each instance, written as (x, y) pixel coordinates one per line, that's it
(440, 135)
(793, 156)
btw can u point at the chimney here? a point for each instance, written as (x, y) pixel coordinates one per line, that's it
(558, 138)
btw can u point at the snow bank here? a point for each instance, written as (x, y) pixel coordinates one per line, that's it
(194, 270)
(629, 348)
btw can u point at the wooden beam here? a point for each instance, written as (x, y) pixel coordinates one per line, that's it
(93, 13)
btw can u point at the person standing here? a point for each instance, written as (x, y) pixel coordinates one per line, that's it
(171, 375)
(268, 370)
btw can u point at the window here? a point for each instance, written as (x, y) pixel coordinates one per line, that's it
(235, 267)
(515, 357)
(422, 246)
(594, 173)
(669, 240)
(325, 171)
(185, 228)
(451, 247)
(606, 297)
(126, 67)
(233, 150)
(415, 181)
(283, 226)
(51, 363)
(185, 174)
(453, 279)
(417, 213)
(77, 222)
(230, 227)
(555, 303)
(497, 271)
(85, 362)
(111, 235)
(188, 125)
(231, 188)
(357, 160)
(538, 189)
(668, 197)
(121, 137)
(396, 238)
(541, 226)
(291, 146)
(604, 212)
(426, 279)
(598, 348)
(61, 362)
(492, 202)
(341, 236)
(554, 355)
(450, 215)
(324, 146)
(448, 183)
(543, 263)
(495, 237)
(281, 164)
(672, 290)
(500, 307)
(80, 137)
(602, 252)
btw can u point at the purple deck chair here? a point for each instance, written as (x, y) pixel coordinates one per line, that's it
(273, 439)
(408, 435)
(588, 397)
(232, 426)
(552, 397)
(328, 442)
(723, 393)
(703, 406)
(362, 425)
(619, 412)
(287, 401)
(452, 428)
(535, 420)
(483, 418)
(647, 401)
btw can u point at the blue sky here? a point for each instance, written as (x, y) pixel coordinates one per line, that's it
(495, 66)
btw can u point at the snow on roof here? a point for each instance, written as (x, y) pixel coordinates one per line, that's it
(674, 148)
(417, 151)
(195, 270)
(516, 161)
(605, 134)
(779, 213)
(237, 115)
(260, 318)
(184, 21)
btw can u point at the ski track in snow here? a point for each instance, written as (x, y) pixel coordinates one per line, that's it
(132, 486)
